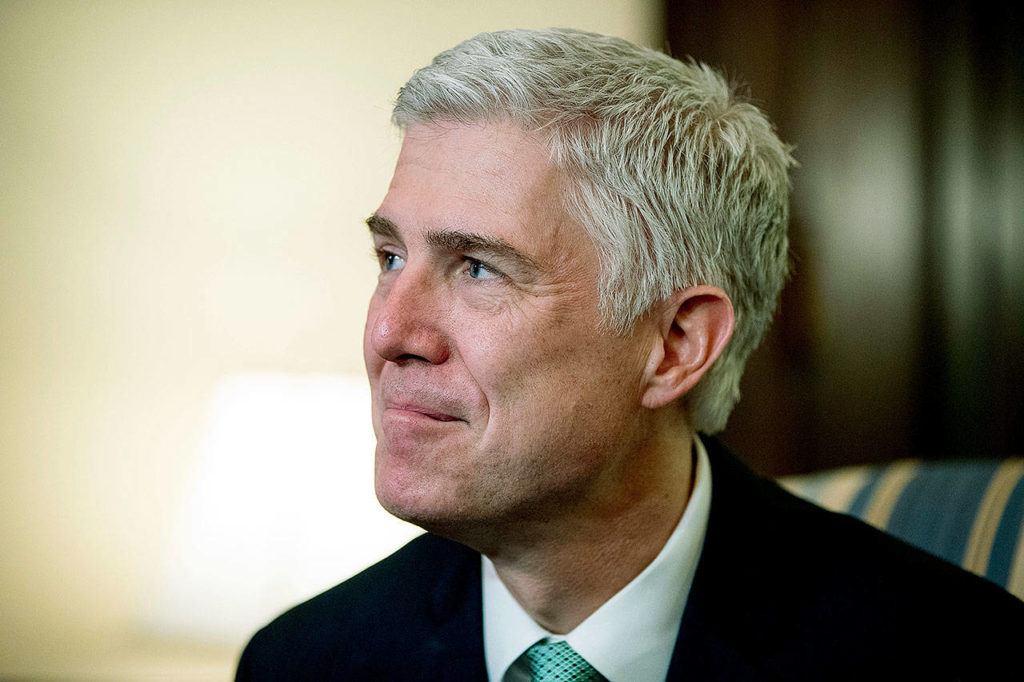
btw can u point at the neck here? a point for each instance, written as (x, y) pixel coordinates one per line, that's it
(562, 569)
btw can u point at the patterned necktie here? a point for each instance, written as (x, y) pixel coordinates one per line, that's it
(559, 662)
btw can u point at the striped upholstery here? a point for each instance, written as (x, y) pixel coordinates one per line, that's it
(968, 512)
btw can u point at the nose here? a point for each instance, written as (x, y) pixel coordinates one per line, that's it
(405, 321)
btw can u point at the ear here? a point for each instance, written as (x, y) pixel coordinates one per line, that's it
(695, 326)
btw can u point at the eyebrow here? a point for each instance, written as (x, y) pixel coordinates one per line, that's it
(458, 241)
(382, 227)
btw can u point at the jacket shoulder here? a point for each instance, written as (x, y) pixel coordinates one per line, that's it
(387, 612)
(826, 596)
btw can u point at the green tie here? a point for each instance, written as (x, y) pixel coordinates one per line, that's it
(559, 662)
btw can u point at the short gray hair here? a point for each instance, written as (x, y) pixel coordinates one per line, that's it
(677, 180)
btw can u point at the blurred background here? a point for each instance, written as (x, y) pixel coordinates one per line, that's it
(184, 436)
(902, 330)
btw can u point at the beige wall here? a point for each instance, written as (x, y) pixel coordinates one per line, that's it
(181, 193)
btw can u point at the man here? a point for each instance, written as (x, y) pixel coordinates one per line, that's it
(582, 243)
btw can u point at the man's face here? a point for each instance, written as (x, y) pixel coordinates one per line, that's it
(497, 395)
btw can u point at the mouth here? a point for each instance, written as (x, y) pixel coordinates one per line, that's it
(421, 412)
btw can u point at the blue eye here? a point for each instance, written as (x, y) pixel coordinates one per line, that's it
(390, 261)
(478, 270)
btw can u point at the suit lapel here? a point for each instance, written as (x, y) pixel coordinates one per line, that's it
(453, 649)
(728, 618)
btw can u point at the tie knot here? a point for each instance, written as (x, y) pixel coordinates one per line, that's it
(559, 662)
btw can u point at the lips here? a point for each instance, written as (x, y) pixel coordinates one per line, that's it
(416, 399)
(414, 409)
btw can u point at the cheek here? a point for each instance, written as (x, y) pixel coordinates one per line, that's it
(527, 380)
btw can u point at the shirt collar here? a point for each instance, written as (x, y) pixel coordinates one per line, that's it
(651, 604)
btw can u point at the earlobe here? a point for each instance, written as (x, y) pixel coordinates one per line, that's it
(695, 327)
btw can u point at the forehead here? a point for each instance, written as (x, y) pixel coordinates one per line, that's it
(492, 178)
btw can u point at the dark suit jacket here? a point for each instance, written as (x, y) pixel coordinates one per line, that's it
(783, 591)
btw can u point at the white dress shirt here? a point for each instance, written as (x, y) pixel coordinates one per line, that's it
(631, 636)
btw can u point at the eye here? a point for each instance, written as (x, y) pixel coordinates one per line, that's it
(478, 270)
(390, 261)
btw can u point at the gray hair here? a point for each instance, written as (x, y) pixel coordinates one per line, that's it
(677, 181)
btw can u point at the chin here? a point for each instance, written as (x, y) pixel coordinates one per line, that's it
(411, 499)
(435, 509)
